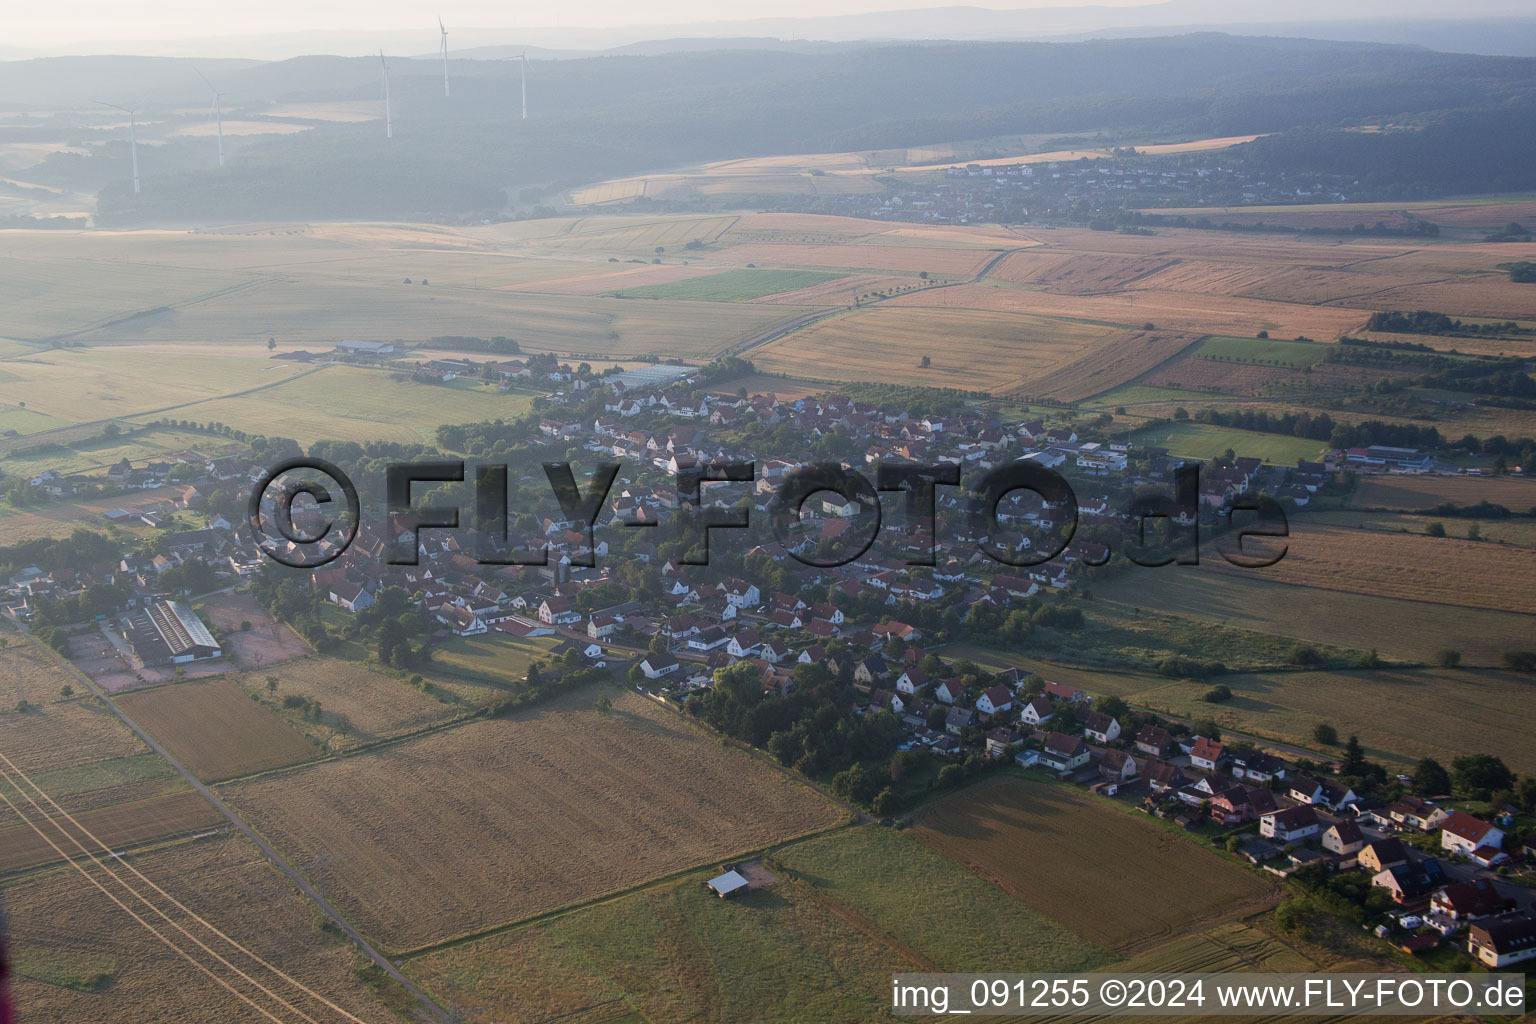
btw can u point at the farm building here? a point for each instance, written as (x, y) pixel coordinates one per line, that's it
(168, 632)
(727, 884)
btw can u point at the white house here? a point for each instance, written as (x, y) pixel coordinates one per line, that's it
(654, 666)
(1462, 833)
(994, 700)
(1290, 825)
(1101, 727)
(1037, 711)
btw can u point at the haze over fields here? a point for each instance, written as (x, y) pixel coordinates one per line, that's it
(1202, 337)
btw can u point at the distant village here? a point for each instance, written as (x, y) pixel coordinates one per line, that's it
(1085, 189)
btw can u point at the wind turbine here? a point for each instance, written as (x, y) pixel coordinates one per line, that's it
(218, 110)
(133, 138)
(522, 63)
(389, 125)
(444, 29)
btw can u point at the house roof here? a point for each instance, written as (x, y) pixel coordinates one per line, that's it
(1348, 832)
(1294, 818)
(1387, 850)
(1062, 744)
(1464, 826)
(1098, 721)
(998, 695)
(1205, 749)
(1475, 898)
(1507, 934)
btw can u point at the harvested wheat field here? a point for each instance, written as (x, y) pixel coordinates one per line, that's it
(1113, 877)
(1029, 266)
(80, 958)
(1264, 280)
(27, 673)
(27, 843)
(1119, 359)
(1176, 311)
(613, 279)
(972, 350)
(492, 822)
(909, 258)
(215, 729)
(1409, 566)
(1090, 274)
(1253, 599)
(1478, 710)
(1489, 295)
(1411, 493)
(358, 704)
(74, 732)
(1242, 379)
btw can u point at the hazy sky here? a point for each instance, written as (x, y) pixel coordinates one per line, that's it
(39, 24)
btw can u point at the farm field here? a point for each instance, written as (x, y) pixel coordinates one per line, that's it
(1130, 395)
(1409, 566)
(1481, 711)
(1228, 947)
(348, 403)
(970, 350)
(1204, 441)
(819, 943)
(1521, 531)
(1411, 493)
(96, 454)
(732, 286)
(489, 664)
(671, 952)
(1121, 358)
(79, 957)
(1490, 294)
(1167, 310)
(891, 882)
(310, 285)
(215, 729)
(592, 281)
(81, 787)
(786, 389)
(1247, 599)
(1054, 848)
(910, 257)
(82, 385)
(1267, 351)
(37, 740)
(1481, 212)
(177, 812)
(358, 704)
(27, 674)
(488, 823)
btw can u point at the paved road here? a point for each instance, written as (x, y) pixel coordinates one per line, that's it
(437, 1012)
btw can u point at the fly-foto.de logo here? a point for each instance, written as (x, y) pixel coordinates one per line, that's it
(335, 513)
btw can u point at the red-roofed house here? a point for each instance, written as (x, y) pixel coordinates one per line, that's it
(1462, 833)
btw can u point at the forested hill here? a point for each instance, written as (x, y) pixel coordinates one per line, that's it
(608, 115)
